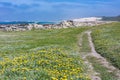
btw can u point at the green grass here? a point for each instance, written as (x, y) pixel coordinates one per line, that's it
(104, 74)
(15, 42)
(107, 42)
(21, 53)
(85, 44)
(41, 55)
(45, 64)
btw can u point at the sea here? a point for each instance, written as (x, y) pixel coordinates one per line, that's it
(42, 23)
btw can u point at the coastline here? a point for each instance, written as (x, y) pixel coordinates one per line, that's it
(23, 26)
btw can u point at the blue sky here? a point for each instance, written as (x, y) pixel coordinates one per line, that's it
(56, 10)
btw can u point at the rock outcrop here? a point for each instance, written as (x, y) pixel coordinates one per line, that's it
(92, 21)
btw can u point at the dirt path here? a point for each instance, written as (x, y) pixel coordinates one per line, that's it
(94, 75)
(101, 59)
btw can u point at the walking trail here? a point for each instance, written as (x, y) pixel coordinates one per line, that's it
(101, 59)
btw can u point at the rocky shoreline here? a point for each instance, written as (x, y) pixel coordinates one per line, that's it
(93, 21)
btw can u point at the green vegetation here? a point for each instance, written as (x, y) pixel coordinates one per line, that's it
(85, 44)
(41, 55)
(44, 64)
(15, 42)
(107, 42)
(104, 74)
(53, 54)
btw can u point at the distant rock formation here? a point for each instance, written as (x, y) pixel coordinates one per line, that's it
(114, 18)
(90, 21)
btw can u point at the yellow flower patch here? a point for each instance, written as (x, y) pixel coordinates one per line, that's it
(46, 64)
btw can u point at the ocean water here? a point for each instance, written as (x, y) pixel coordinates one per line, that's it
(46, 22)
(5, 23)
